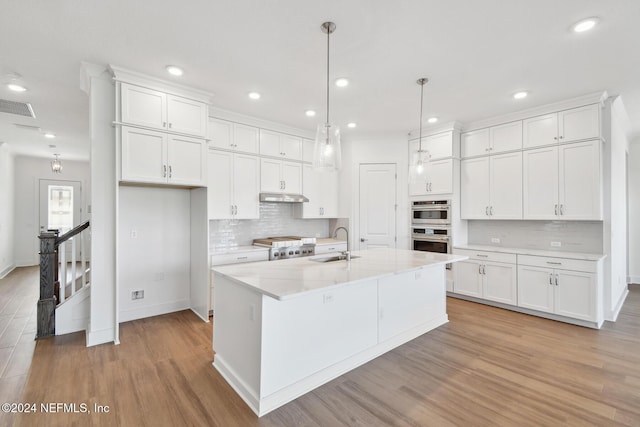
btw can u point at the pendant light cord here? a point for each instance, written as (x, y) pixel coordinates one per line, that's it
(328, 35)
(421, 100)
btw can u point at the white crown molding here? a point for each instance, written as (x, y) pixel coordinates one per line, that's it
(591, 98)
(232, 116)
(90, 70)
(127, 76)
(435, 129)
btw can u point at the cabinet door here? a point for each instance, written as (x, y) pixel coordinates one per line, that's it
(143, 155)
(220, 134)
(507, 137)
(506, 186)
(440, 146)
(575, 294)
(420, 186)
(540, 183)
(579, 123)
(186, 160)
(500, 283)
(291, 147)
(467, 278)
(270, 180)
(246, 138)
(410, 299)
(474, 188)
(440, 176)
(186, 116)
(292, 177)
(580, 194)
(142, 106)
(475, 143)
(536, 288)
(270, 143)
(307, 150)
(220, 184)
(246, 186)
(329, 194)
(539, 131)
(311, 181)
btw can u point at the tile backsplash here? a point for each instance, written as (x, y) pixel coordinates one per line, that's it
(574, 236)
(276, 219)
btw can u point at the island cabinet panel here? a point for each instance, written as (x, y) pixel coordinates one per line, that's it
(408, 300)
(304, 335)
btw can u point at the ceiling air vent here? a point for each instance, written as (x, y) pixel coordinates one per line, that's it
(28, 127)
(19, 108)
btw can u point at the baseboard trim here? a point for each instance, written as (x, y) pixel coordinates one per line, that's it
(101, 336)
(153, 310)
(618, 307)
(262, 406)
(633, 279)
(4, 273)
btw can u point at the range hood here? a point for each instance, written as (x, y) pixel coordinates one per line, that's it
(282, 198)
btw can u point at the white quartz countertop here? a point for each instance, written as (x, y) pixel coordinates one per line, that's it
(284, 279)
(238, 250)
(535, 252)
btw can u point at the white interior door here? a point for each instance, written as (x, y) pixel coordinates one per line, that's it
(60, 204)
(377, 206)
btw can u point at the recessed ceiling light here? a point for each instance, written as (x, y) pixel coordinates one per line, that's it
(432, 120)
(585, 25)
(254, 95)
(49, 135)
(342, 82)
(310, 113)
(352, 125)
(520, 95)
(174, 71)
(52, 146)
(16, 87)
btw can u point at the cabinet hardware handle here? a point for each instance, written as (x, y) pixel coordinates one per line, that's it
(169, 171)
(284, 185)
(561, 209)
(561, 136)
(555, 137)
(431, 186)
(486, 149)
(556, 209)
(331, 249)
(164, 124)
(484, 269)
(551, 279)
(479, 268)
(242, 257)
(231, 209)
(556, 280)
(482, 256)
(164, 171)
(362, 239)
(554, 263)
(169, 125)
(491, 210)
(486, 210)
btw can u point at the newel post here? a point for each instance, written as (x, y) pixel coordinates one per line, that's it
(47, 302)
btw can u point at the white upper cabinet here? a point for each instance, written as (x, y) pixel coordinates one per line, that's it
(307, 150)
(507, 137)
(563, 182)
(440, 146)
(233, 187)
(280, 145)
(475, 143)
(437, 179)
(233, 136)
(159, 158)
(493, 140)
(571, 125)
(321, 188)
(278, 176)
(475, 188)
(150, 108)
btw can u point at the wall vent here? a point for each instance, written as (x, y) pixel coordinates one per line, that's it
(28, 127)
(19, 108)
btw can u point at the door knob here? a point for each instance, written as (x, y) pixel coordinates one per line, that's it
(362, 239)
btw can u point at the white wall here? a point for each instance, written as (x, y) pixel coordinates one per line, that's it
(153, 250)
(615, 125)
(28, 172)
(392, 148)
(634, 211)
(7, 218)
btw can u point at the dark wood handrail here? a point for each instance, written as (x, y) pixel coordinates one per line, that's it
(69, 234)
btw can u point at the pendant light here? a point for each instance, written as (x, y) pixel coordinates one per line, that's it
(326, 150)
(420, 160)
(56, 164)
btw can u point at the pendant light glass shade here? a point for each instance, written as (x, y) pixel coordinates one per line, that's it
(56, 165)
(420, 162)
(327, 151)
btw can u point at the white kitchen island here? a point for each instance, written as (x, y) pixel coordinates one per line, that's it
(283, 328)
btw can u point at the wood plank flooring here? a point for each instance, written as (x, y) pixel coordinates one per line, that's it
(486, 367)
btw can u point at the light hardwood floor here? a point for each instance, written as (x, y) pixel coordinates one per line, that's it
(487, 366)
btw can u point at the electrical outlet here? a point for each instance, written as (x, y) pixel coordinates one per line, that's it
(327, 298)
(133, 234)
(495, 240)
(556, 244)
(137, 295)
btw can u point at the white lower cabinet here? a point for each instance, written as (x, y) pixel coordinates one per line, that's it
(233, 257)
(482, 278)
(563, 292)
(330, 247)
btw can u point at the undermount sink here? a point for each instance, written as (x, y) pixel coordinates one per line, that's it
(333, 258)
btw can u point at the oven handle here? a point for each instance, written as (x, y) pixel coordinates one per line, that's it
(430, 208)
(423, 238)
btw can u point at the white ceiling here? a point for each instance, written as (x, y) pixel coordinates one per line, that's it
(475, 53)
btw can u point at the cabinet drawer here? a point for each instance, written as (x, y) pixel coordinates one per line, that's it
(239, 258)
(333, 247)
(487, 256)
(558, 263)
